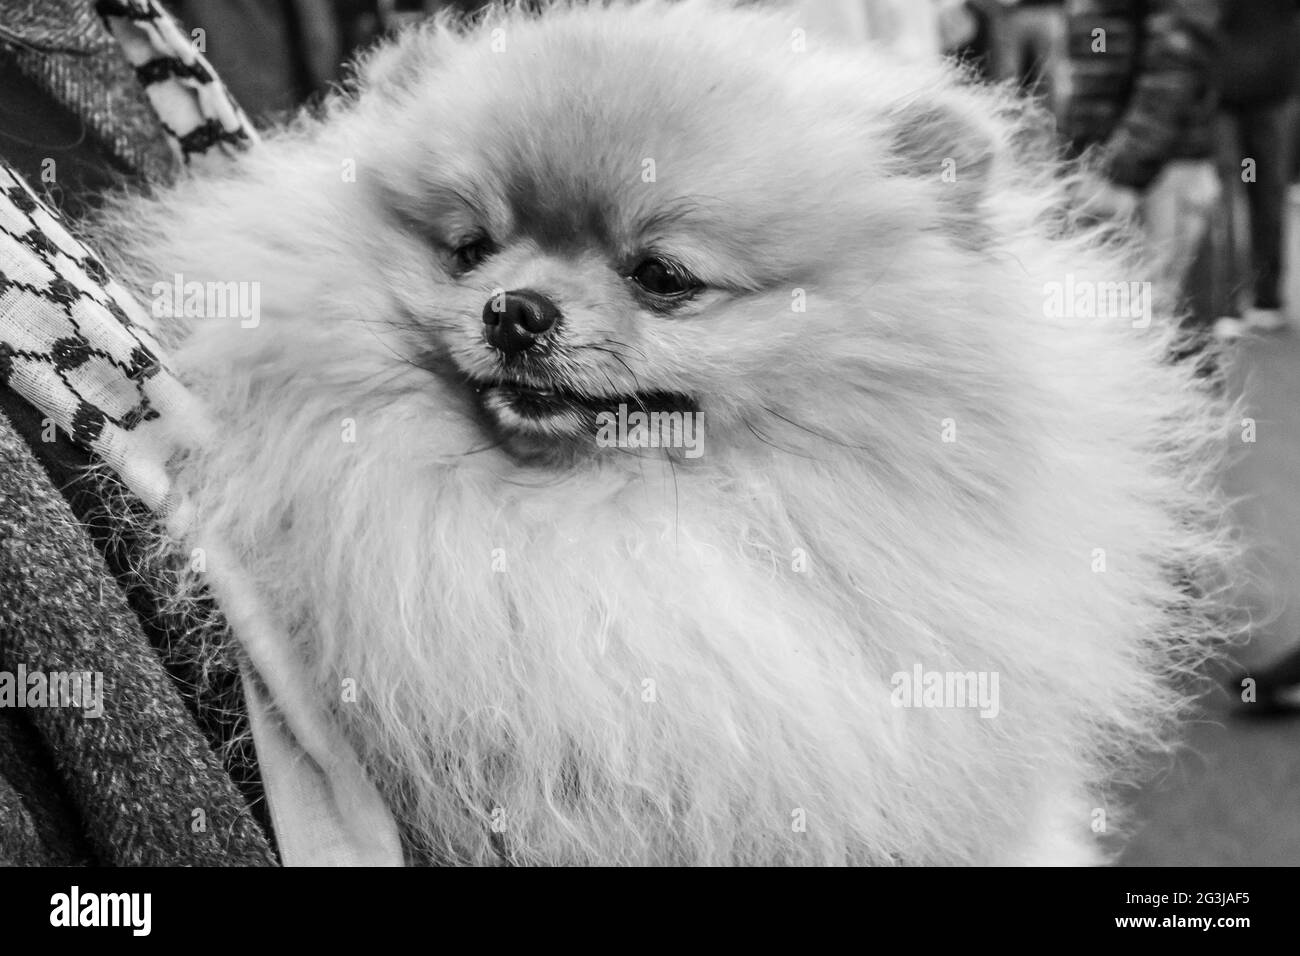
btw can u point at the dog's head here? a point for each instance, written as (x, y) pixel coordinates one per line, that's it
(659, 206)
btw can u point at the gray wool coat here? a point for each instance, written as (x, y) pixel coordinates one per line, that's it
(139, 785)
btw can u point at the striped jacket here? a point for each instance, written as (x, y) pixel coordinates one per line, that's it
(1142, 87)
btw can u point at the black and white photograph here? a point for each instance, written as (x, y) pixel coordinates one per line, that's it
(650, 433)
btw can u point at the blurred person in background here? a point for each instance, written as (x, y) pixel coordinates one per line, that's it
(277, 54)
(1258, 121)
(1142, 100)
(908, 27)
(1257, 83)
(914, 28)
(1025, 45)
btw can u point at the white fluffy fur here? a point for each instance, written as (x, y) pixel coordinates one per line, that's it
(523, 690)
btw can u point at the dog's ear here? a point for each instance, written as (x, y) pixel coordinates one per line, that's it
(947, 147)
(395, 67)
(399, 65)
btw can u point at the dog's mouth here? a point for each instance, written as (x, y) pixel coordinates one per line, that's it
(554, 414)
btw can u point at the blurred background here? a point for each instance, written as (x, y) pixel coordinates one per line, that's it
(1188, 108)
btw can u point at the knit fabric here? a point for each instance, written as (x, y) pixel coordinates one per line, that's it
(202, 121)
(141, 781)
(38, 824)
(77, 346)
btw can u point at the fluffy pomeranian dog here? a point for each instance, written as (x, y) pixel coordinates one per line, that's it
(898, 570)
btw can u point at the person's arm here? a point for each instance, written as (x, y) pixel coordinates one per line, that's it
(1175, 63)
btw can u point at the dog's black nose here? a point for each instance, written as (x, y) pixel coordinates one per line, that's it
(514, 321)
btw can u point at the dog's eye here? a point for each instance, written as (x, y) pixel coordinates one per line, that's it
(469, 255)
(664, 278)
